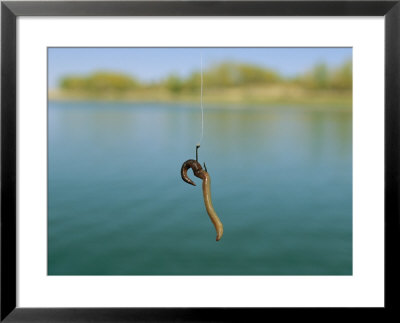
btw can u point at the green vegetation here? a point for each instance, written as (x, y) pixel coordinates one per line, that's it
(99, 83)
(227, 82)
(320, 77)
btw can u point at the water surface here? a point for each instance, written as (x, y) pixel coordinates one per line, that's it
(281, 184)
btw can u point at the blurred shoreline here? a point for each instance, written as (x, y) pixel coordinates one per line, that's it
(271, 95)
(226, 83)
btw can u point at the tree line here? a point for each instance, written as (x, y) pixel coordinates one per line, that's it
(224, 75)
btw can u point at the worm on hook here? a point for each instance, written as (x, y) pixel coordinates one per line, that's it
(199, 172)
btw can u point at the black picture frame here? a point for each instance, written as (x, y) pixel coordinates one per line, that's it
(10, 11)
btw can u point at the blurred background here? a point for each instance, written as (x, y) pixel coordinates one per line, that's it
(277, 141)
(231, 75)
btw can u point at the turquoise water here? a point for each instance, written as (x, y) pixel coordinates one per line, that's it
(281, 185)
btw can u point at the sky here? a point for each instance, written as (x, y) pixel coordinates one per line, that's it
(152, 64)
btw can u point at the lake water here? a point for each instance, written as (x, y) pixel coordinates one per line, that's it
(281, 185)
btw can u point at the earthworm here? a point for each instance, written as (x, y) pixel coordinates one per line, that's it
(199, 172)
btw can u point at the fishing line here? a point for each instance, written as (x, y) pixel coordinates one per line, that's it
(201, 99)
